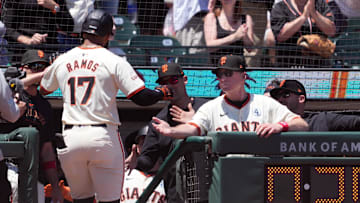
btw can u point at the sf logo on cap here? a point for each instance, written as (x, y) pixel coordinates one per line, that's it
(40, 53)
(164, 68)
(223, 60)
(282, 83)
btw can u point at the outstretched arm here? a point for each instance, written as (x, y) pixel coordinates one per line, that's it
(147, 97)
(179, 132)
(267, 129)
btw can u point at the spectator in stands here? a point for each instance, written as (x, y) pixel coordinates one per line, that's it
(292, 94)
(78, 9)
(269, 38)
(169, 29)
(230, 28)
(236, 110)
(35, 23)
(4, 60)
(39, 114)
(151, 15)
(136, 181)
(109, 6)
(349, 8)
(340, 19)
(271, 85)
(188, 18)
(292, 18)
(180, 109)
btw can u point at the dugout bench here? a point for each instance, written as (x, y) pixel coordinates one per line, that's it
(288, 167)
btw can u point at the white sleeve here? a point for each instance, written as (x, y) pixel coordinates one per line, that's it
(281, 112)
(49, 81)
(127, 79)
(9, 111)
(202, 118)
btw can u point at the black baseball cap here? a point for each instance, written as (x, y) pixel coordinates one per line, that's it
(293, 86)
(232, 62)
(272, 85)
(32, 56)
(133, 137)
(141, 132)
(169, 69)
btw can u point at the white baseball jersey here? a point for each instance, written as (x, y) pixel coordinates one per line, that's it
(89, 79)
(136, 183)
(220, 115)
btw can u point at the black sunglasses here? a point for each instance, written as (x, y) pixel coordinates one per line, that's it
(226, 73)
(284, 95)
(173, 80)
(37, 66)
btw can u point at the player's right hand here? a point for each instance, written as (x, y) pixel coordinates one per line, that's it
(166, 91)
(161, 126)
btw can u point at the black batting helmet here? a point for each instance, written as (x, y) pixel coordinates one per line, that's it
(98, 22)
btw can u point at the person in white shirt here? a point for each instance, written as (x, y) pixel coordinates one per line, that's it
(236, 110)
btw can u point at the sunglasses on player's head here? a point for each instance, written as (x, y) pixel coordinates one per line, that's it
(227, 73)
(172, 80)
(37, 66)
(284, 94)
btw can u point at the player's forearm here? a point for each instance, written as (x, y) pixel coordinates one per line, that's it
(147, 97)
(183, 131)
(32, 79)
(298, 124)
(52, 177)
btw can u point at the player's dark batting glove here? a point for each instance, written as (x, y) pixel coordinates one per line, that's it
(166, 91)
(53, 57)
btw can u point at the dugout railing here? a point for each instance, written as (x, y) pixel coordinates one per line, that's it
(288, 167)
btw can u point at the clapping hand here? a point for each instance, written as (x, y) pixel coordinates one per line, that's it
(181, 116)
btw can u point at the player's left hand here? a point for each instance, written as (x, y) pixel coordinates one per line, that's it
(267, 129)
(131, 160)
(180, 115)
(161, 126)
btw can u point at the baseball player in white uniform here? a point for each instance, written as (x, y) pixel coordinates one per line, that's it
(89, 77)
(236, 110)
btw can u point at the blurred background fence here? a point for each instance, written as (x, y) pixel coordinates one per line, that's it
(147, 34)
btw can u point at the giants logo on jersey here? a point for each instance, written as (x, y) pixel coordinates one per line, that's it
(244, 126)
(133, 194)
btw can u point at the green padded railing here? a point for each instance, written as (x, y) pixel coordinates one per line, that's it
(190, 144)
(242, 158)
(289, 143)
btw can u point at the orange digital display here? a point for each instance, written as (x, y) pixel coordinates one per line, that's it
(306, 183)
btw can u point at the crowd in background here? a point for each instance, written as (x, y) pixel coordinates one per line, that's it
(261, 30)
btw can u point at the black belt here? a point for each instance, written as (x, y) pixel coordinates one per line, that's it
(67, 126)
